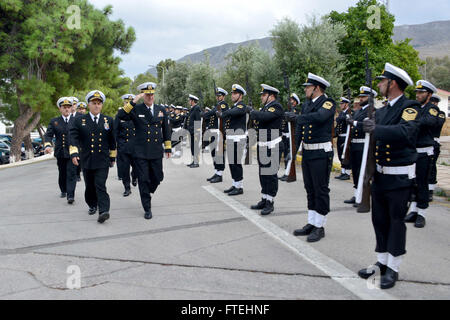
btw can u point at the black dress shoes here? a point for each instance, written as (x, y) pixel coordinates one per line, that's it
(190, 164)
(70, 200)
(229, 190)
(351, 201)
(217, 179)
(345, 177)
(103, 217)
(148, 215)
(268, 209)
(388, 280)
(316, 235)
(261, 205)
(236, 192)
(194, 165)
(306, 230)
(411, 217)
(420, 222)
(127, 192)
(367, 273)
(63, 195)
(92, 210)
(284, 178)
(134, 182)
(339, 177)
(209, 179)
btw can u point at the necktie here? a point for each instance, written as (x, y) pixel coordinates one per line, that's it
(95, 120)
(67, 121)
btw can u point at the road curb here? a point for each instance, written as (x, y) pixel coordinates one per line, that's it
(27, 162)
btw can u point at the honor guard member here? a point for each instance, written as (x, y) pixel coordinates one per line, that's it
(176, 123)
(125, 134)
(428, 119)
(58, 128)
(92, 140)
(358, 137)
(75, 101)
(394, 131)
(341, 132)
(435, 99)
(285, 146)
(152, 130)
(314, 132)
(194, 116)
(81, 108)
(213, 126)
(235, 126)
(269, 139)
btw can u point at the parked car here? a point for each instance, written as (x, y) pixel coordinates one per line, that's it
(5, 137)
(4, 157)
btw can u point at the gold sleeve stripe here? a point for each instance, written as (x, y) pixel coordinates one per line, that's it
(113, 153)
(48, 144)
(168, 144)
(73, 150)
(128, 107)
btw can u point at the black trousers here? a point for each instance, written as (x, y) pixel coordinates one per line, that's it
(95, 193)
(125, 162)
(356, 159)
(67, 176)
(150, 175)
(316, 178)
(235, 153)
(340, 149)
(285, 150)
(268, 181)
(422, 173)
(219, 160)
(389, 209)
(432, 179)
(79, 169)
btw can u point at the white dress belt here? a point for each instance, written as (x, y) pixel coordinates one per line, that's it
(343, 135)
(428, 150)
(214, 131)
(270, 144)
(437, 140)
(326, 146)
(286, 134)
(358, 140)
(176, 129)
(403, 170)
(237, 138)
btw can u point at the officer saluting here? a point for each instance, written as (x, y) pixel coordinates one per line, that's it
(428, 119)
(395, 133)
(357, 137)
(125, 133)
(235, 127)
(92, 140)
(341, 132)
(268, 123)
(314, 133)
(59, 128)
(213, 126)
(152, 130)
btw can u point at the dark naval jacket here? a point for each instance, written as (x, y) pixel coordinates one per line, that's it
(194, 115)
(269, 118)
(125, 134)
(93, 143)
(395, 137)
(235, 118)
(152, 130)
(341, 122)
(358, 132)
(176, 120)
(428, 119)
(211, 117)
(59, 129)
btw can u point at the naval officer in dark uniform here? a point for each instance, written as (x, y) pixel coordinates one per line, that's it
(235, 123)
(358, 138)
(125, 134)
(395, 133)
(213, 127)
(341, 133)
(428, 119)
(314, 134)
(58, 128)
(193, 125)
(92, 141)
(152, 131)
(268, 124)
(176, 124)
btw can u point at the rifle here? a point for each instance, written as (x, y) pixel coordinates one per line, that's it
(291, 125)
(249, 122)
(368, 165)
(202, 145)
(346, 150)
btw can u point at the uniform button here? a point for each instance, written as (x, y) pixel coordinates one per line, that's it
(92, 151)
(148, 132)
(100, 133)
(148, 140)
(388, 160)
(310, 126)
(309, 138)
(99, 145)
(378, 160)
(303, 132)
(127, 140)
(388, 146)
(378, 147)
(92, 140)
(148, 126)
(376, 154)
(99, 139)
(92, 134)
(127, 129)
(388, 153)
(99, 150)
(310, 132)
(92, 146)
(156, 140)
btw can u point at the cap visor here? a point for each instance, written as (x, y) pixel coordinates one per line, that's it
(148, 91)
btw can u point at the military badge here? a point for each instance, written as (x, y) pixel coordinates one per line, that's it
(106, 126)
(327, 105)
(433, 112)
(409, 114)
(271, 109)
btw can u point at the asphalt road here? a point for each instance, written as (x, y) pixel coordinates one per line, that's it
(200, 244)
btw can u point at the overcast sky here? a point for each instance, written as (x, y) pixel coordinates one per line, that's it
(175, 28)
